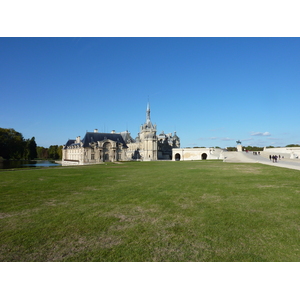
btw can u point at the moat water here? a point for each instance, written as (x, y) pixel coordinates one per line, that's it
(12, 164)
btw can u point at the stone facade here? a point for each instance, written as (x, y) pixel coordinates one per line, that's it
(98, 147)
(197, 153)
(94, 148)
(288, 152)
(144, 147)
(148, 146)
(165, 144)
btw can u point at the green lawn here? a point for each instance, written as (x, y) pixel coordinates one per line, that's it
(150, 211)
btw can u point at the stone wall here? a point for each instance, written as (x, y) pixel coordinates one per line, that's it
(196, 153)
(290, 152)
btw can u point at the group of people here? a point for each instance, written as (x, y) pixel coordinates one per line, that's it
(274, 157)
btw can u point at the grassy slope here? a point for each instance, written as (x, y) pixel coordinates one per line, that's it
(155, 211)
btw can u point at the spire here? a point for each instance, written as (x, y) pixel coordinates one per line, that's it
(148, 114)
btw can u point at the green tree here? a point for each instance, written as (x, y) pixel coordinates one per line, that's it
(12, 144)
(254, 148)
(293, 145)
(231, 149)
(53, 152)
(59, 150)
(32, 148)
(42, 153)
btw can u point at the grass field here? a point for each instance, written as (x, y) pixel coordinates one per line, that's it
(150, 211)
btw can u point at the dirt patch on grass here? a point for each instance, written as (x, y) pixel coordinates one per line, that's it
(51, 202)
(160, 254)
(273, 186)
(107, 242)
(247, 169)
(58, 250)
(186, 203)
(137, 216)
(3, 215)
(72, 246)
(260, 186)
(143, 210)
(211, 198)
(90, 188)
(22, 213)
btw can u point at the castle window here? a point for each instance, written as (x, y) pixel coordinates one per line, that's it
(92, 156)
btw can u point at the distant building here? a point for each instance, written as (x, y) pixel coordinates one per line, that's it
(197, 153)
(166, 143)
(95, 147)
(98, 147)
(287, 152)
(148, 146)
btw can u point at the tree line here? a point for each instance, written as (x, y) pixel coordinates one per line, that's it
(53, 152)
(14, 146)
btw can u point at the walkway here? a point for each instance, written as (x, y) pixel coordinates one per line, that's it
(262, 159)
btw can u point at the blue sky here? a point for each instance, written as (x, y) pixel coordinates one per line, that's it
(211, 91)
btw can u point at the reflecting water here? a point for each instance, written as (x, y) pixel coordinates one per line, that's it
(11, 164)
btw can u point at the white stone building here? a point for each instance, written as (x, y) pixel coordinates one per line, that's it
(95, 147)
(148, 145)
(144, 147)
(288, 152)
(197, 153)
(98, 147)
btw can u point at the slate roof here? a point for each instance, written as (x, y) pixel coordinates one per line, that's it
(69, 143)
(127, 137)
(91, 137)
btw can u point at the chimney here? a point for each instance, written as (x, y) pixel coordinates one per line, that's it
(95, 130)
(113, 131)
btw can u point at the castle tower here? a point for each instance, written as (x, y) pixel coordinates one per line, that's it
(148, 138)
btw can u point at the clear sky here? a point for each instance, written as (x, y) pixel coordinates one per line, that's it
(211, 91)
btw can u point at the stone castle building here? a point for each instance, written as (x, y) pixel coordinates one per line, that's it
(98, 147)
